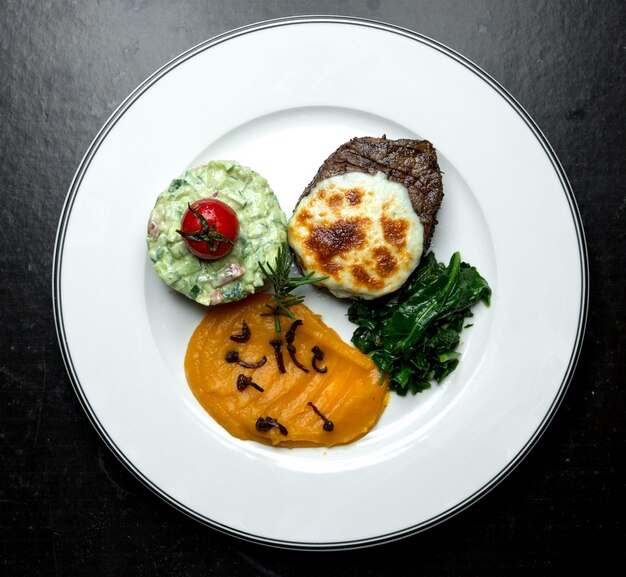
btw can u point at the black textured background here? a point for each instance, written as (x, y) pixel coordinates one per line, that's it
(67, 506)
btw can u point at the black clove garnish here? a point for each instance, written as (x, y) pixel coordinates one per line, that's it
(328, 425)
(233, 357)
(244, 382)
(292, 353)
(318, 355)
(263, 425)
(290, 336)
(244, 337)
(278, 353)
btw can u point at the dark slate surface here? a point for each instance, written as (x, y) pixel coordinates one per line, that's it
(67, 505)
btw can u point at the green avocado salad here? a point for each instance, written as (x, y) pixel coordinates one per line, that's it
(262, 233)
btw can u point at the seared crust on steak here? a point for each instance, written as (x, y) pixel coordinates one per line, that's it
(412, 163)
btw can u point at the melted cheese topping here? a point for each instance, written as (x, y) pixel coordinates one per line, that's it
(361, 231)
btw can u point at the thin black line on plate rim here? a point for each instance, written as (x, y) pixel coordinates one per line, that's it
(133, 97)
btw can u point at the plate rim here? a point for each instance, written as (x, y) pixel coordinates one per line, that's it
(299, 20)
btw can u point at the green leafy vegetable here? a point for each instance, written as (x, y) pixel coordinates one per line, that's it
(412, 335)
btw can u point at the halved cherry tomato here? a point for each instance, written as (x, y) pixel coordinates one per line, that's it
(210, 228)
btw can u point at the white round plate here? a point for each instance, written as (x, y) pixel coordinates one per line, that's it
(280, 96)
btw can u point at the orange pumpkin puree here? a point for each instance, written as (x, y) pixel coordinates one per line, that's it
(349, 394)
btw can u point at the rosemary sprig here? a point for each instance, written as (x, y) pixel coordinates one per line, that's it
(282, 299)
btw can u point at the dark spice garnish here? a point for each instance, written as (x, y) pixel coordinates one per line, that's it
(233, 357)
(263, 425)
(328, 425)
(278, 353)
(290, 336)
(292, 353)
(244, 382)
(318, 355)
(244, 337)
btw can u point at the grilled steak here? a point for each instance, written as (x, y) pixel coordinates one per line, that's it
(412, 163)
(368, 215)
